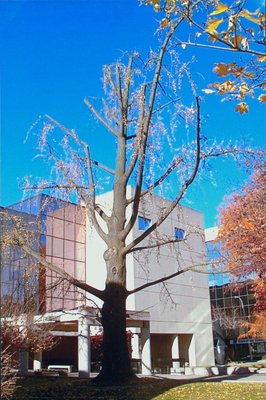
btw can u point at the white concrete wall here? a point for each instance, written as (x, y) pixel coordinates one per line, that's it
(184, 307)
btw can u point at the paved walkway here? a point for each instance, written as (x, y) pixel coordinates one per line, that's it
(221, 378)
(252, 377)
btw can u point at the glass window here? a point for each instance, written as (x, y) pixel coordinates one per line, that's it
(49, 225)
(143, 223)
(57, 303)
(58, 228)
(179, 234)
(35, 205)
(49, 247)
(52, 206)
(48, 303)
(58, 246)
(69, 230)
(69, 267)
(80, 271)
(69, 303)
(80, 234)
(80, 252)
(69, 250)
(70, 212)
(80, 215)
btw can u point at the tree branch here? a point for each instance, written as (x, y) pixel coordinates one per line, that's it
(89, 200)
(103, 167)
(138, 140)
(101, 119)
(229, 46)
(181, 193)
(164, 278)
(213, 47)
(156, 245)
(50, 185)
(159, 181)
(119, 87)
(146, 127)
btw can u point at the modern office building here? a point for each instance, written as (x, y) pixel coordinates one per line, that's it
(170, 322)
(231, 305)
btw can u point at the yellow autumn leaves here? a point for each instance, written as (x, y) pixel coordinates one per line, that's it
(242, 108)
(230, 86)
(230, 34)
(231, 26)
(262, 98)
(215, 22)
(256, 17)
(213, 25)
(220, 9)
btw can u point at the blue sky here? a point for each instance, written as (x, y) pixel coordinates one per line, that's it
(52, 54)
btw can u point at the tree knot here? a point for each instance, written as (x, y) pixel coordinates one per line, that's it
(110, 253)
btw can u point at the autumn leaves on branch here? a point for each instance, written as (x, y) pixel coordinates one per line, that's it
(231, 27)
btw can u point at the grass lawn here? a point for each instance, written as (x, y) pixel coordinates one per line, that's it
(42, 388)
(216, 391)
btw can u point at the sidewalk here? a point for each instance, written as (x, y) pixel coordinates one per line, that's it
(241, 378)
(250, 378)
(200, 374)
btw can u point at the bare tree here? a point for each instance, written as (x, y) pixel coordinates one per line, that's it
(159, 144)
(8, 375)
(230, 321)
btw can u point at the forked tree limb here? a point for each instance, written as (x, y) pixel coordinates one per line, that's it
(167, 211)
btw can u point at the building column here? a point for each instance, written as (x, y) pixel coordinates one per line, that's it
(23, 360)
(23, 354)
(146, 350)
(192, 352)
(37, 361)
(84, 356)
(175, 353)
(135, 344)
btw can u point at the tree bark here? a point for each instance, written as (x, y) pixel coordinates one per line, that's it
(116, 365)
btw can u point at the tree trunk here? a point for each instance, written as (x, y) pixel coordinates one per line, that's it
(116, 365)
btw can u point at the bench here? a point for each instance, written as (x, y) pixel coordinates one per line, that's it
(69, 368)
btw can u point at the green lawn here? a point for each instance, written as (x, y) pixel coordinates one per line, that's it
(40, 388)
(216, 391)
